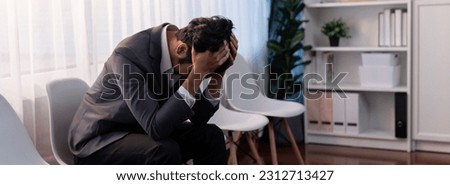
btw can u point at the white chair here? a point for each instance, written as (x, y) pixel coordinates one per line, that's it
(242, 124)
(15, 143)
(64, 95)
(243, 94)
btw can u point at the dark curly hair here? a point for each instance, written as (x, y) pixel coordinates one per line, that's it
(206, 33)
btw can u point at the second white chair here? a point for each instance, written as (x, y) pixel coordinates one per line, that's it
(245, 95)
(241, 124)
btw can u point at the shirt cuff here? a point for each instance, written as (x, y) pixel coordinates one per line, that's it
(212, 100)
(187, 97)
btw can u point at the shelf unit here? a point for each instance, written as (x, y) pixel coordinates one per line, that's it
(362, 18)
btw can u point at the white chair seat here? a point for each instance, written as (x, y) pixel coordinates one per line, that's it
(227, 119)
(270, 107)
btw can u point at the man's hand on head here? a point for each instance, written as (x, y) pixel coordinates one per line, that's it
(207, 62)
(233, 46)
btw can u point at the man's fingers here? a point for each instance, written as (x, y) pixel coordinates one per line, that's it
(234, 46)
(232, 58)
(234, 40)
(223, 51)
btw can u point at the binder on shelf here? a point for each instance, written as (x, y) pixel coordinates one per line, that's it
(328, 57)
(404, 28)
(313, 114)
(326, 112)
(401, 114)
(320, 68)
(398, 27)
(392, 28)
(356, 113)
(381, 30)
(338, 112)
(387, 26)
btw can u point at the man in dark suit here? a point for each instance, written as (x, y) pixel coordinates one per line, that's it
(146, 106)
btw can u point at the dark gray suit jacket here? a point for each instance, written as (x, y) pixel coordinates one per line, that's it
(131, 95)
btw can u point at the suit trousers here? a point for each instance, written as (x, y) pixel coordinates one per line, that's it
(205, 144)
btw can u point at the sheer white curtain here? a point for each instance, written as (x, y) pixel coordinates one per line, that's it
(43, 40)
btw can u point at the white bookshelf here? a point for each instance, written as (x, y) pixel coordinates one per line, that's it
(362, 18)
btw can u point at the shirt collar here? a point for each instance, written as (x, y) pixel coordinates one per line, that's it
(166, 63)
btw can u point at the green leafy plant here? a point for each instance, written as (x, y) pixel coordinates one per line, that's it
(286, 47)
(336, 28)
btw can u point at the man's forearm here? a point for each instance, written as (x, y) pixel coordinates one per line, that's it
(192, 82)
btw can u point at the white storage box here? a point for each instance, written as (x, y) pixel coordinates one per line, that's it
(379, 59)
(379, 76)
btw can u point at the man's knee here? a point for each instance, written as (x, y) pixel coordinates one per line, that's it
(165, 152)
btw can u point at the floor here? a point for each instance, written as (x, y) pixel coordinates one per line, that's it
(315, 154)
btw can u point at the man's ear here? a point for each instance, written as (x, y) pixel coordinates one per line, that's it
(182, 50)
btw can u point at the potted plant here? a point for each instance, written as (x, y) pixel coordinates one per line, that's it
(335, 29)
(286, 47)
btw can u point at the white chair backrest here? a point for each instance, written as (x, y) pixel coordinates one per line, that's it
(15, 143)
(240, 85)
(65, 96)
(243, 93)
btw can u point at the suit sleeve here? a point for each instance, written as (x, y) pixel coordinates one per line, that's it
(140, 92)
(203, 109)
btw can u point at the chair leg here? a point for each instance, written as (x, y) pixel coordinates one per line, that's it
(273, 146)
(292, 140)
(255, 138)
(232, 158)
(252, 146)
